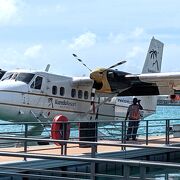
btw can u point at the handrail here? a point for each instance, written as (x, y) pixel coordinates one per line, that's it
(94, 159)
(92, 143)
(90, 160)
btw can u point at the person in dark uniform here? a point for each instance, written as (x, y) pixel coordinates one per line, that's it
(133, 114)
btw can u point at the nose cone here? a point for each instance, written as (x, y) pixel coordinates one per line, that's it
(97, 75)
(12, 96)
(12, 85)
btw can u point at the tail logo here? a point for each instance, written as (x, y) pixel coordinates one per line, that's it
(153, 55)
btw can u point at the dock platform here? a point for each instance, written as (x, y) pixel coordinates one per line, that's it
(89, 160)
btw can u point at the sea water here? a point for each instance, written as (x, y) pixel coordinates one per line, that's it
(166, 112)
(162, 113)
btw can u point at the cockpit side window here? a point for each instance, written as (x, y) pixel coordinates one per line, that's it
(37, 84)
(7, 76)
(14, 76)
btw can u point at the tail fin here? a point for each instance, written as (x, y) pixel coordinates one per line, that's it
(152, 65)
(154, 57)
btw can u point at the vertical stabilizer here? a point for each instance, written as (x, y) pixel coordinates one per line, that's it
(154, 57)
(152, 65)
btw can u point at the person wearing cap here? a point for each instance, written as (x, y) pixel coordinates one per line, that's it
(133, 113)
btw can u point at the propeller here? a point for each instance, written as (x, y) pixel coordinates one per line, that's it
(81, 62)
(115, 65)
(97, 75)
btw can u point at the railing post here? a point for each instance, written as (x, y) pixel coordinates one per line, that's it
(167, 131)
(96, 131)
(64, 144)
(122, 134)
(126, 170)
(147, 131)
(93, 164)
(65, 138)
(25, 142)
(142, 172)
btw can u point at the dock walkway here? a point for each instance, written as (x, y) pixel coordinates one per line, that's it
(76, 150)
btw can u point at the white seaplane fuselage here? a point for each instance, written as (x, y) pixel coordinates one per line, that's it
(26, 96)
(35, 96)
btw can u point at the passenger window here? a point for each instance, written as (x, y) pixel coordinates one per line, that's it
(80, 94)
(73, 93)
(37, 83)
(62, 90)
(86, 95)
(54, 90)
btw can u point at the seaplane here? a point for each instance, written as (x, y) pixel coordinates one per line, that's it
(40, 96)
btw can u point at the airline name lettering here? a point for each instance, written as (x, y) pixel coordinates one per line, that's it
(65, 103)
(124, 101)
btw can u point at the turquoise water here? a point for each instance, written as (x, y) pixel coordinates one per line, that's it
(157, 123)
(163, 112)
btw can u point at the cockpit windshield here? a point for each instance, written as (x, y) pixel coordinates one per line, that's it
(24, 77)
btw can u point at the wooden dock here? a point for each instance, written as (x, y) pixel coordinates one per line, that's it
(75, 150)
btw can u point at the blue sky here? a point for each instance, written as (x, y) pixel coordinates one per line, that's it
(34, 33)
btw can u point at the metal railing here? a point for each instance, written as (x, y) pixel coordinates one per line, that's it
(93, 161)
(149, 130)
(106, 130)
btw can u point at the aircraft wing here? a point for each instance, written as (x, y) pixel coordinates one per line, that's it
(82, 81)
(152, 84)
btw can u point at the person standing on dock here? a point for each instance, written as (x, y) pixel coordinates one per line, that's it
(133, 113)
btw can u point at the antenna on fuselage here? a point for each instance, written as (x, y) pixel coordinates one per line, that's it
(47, 68)
(81, 62)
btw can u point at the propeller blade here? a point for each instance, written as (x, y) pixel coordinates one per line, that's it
(117, 64)
(74, 55)
(81, 62)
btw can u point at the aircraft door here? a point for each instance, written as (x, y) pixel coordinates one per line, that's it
(36, 91)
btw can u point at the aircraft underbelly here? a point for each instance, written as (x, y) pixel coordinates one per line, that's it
(16, 113)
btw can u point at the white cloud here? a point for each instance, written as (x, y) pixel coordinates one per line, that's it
(59, 8)
(49, 10)
(136, 50)
(8, 10)
(84, 41)
(119, 38)
(127, 36)
(33, 51)
(137, 32)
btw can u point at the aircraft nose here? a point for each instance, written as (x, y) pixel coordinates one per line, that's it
(12, 94)
(96, 76)
(12, 86)
(92, 75)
